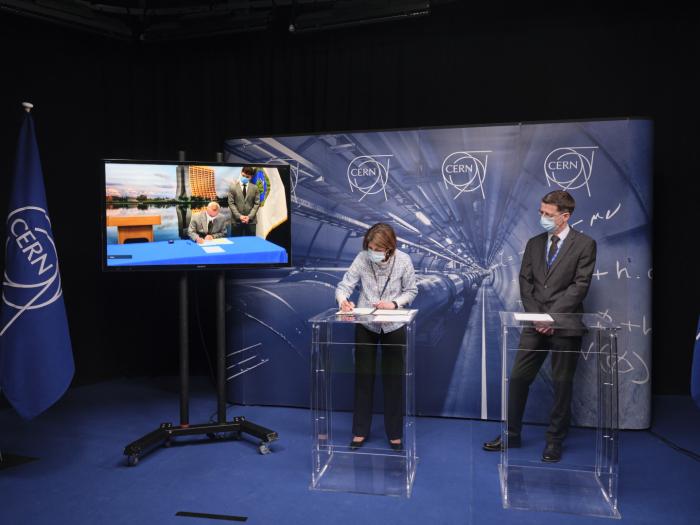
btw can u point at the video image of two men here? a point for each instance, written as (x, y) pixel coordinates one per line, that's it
(201, 215)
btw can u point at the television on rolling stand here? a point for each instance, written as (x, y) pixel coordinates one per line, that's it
(177, 215)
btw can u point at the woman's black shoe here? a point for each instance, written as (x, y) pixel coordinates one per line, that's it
(396, 446)
(354, 445)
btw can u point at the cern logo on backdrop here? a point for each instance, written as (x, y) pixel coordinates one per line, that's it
(570, 168)
(465, 171)
(369, 174)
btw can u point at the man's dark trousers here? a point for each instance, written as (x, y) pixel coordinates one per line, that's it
(531, 355)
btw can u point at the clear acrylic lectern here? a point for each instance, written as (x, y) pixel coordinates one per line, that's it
(585, 480)
(375, 467)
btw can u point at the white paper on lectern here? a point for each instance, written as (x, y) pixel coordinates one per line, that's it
(400, 311)
(356, 311)
(213, 249)
(533, 317)
(391, 318)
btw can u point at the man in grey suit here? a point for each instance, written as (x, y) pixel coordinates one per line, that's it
(555, 275)
(207, 225)
(244, 201)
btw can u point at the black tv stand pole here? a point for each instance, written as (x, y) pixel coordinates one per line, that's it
(222, 429)
(184, 349)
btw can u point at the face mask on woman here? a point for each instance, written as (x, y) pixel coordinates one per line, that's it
(376, 256)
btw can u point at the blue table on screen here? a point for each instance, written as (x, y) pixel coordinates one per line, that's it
(244, 250)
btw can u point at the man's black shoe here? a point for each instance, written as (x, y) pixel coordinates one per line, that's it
(497, 444)
(552, 453)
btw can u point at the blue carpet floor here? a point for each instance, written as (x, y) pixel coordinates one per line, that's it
(81, 476)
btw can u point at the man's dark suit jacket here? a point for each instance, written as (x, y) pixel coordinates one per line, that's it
(563, 288)
(247, 205)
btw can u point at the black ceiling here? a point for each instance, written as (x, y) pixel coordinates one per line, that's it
(159, 20)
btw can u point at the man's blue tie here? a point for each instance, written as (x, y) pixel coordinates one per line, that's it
(552, 251)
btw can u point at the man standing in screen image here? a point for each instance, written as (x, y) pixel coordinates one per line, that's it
(555, 274)
(207, 225)
(244, 201)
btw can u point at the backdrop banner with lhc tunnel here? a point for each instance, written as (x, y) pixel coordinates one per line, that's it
(464, 202)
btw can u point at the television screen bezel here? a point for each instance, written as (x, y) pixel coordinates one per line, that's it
(285, 174)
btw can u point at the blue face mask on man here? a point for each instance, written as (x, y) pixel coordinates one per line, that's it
(244, 180)
(548, 223)
(376, 256)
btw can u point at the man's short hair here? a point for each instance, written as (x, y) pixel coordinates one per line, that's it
(213, 205)
(248, 170)
(563, 200)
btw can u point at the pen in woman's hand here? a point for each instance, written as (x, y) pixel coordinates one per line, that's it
(347, 306)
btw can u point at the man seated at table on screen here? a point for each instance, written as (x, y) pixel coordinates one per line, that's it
(208, 224)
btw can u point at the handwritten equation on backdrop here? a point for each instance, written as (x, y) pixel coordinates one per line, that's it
(464, 202)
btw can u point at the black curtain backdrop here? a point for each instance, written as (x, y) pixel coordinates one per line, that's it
(97, 98)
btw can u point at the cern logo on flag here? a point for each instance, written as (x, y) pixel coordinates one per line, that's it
(570, 168)
(33, 281)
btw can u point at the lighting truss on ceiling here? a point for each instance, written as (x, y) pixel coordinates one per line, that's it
(164, 20)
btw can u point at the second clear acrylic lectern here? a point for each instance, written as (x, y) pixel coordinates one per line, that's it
(375, 467)
(578, 353)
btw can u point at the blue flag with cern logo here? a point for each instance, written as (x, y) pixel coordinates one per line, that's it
(36, 359)
(695, 372)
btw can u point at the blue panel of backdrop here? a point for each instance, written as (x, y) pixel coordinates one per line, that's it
(463, 202)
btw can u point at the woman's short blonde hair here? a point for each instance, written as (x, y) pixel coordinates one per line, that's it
(383, 236)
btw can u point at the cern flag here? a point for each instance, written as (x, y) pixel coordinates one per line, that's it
(36, 359)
